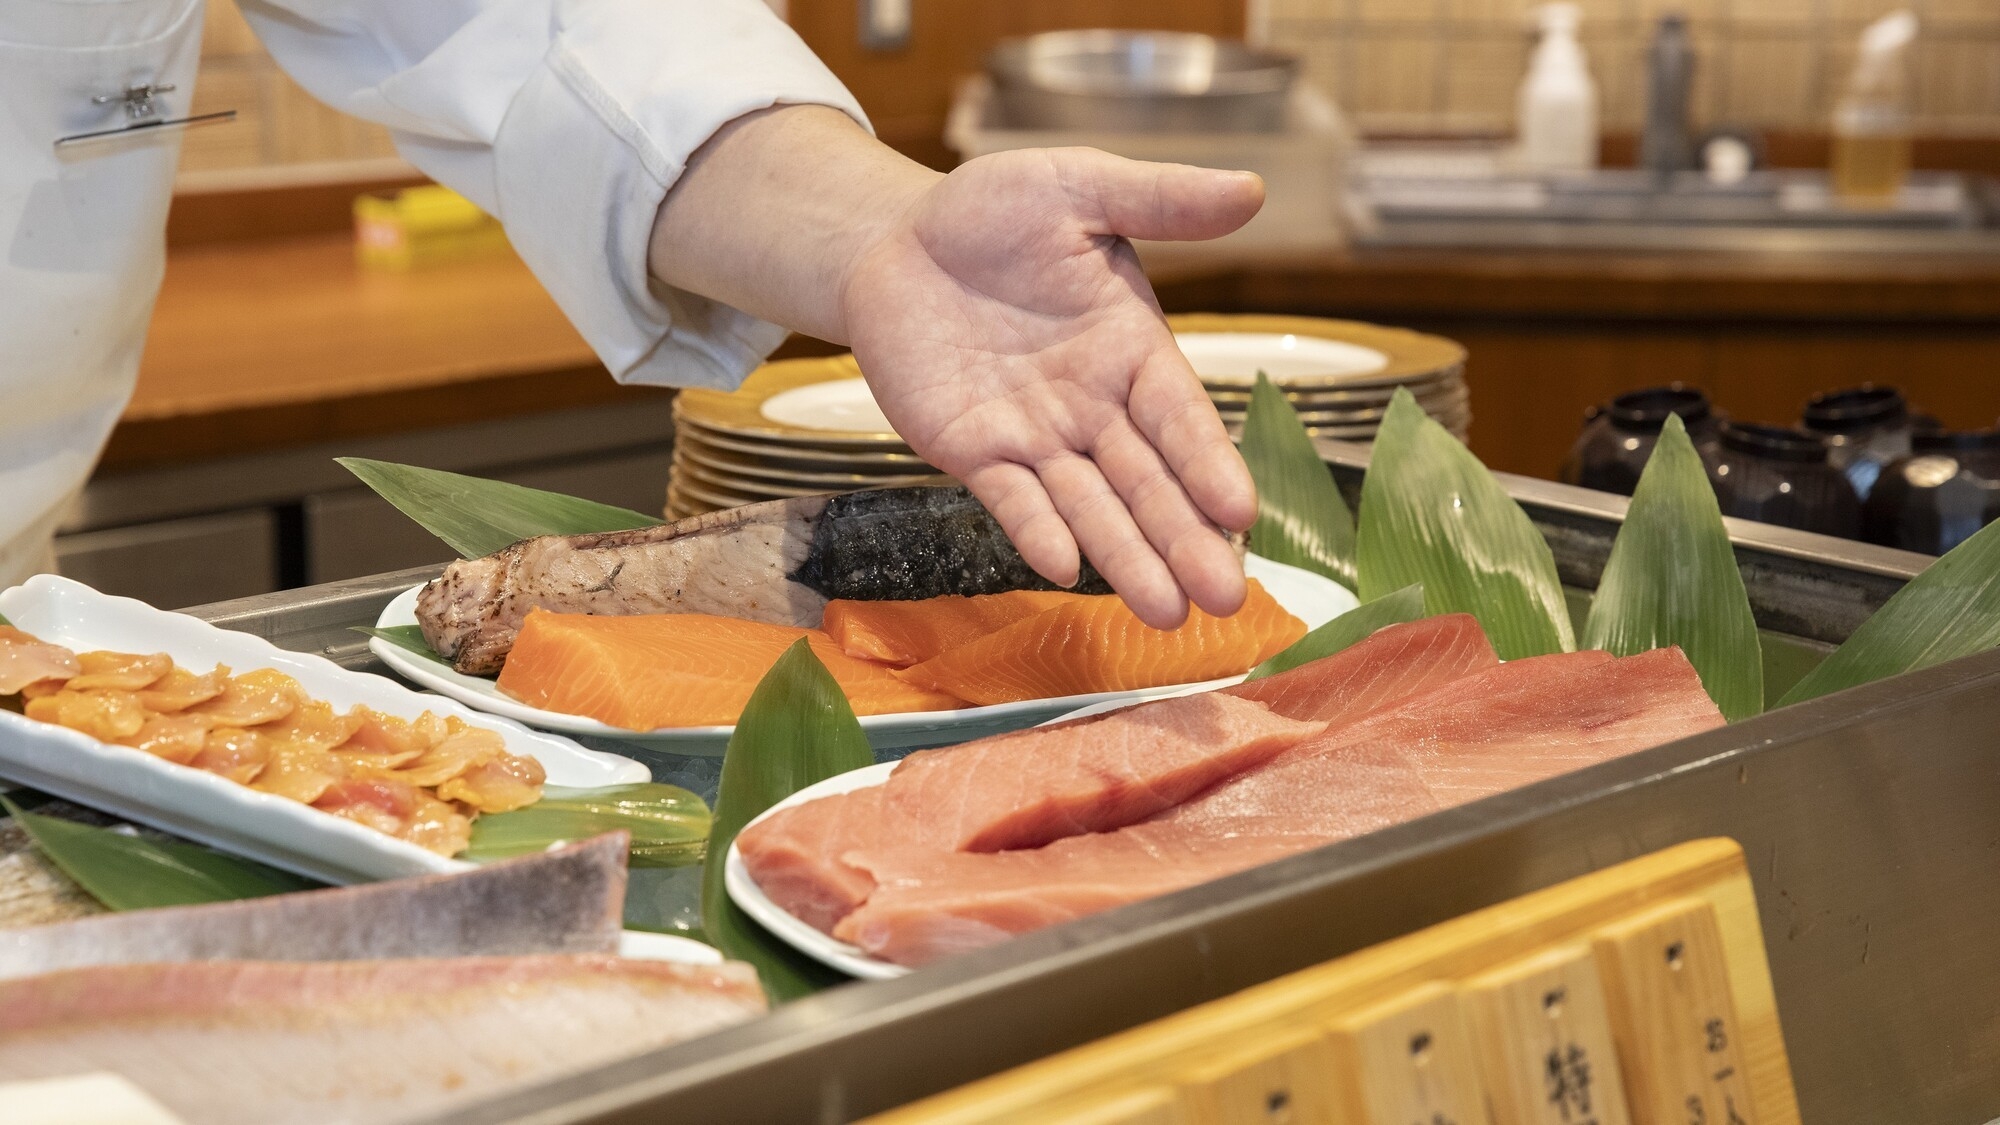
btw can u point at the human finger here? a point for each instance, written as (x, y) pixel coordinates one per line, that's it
(1139, 199)
(1014, 494)
(1104, 528)
(1175, 414)
(1201, 560)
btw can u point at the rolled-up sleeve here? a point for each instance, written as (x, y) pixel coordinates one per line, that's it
(569, 120)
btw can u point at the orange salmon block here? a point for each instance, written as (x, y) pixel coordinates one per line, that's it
(906, 633)
(679, 669)
(1098, 644)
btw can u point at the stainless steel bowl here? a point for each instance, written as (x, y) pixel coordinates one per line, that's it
(1139, 82)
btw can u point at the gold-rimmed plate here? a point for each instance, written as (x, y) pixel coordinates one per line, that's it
(761, 468)
(1304, 351)
(829, 388)
(893, 461)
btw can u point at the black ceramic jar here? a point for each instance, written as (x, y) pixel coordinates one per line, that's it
(1865, 428)
(1934, 499)
(1782, 476)
(1619, 436)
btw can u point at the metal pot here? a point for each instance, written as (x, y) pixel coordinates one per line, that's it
(1139, 82)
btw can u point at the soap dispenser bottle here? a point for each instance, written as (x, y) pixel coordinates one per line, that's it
(1558, 107)
(1871, 124)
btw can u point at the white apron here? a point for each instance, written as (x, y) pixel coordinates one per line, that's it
(82, 239)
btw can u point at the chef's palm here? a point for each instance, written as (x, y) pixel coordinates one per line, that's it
(1015, 343)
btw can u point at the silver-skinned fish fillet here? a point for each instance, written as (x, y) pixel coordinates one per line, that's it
(778, 561)
(570, 900)
(264, 1043)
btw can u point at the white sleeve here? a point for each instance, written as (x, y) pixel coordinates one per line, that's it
(569, 120)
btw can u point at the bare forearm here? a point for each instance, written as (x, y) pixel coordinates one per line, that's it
(774, 209)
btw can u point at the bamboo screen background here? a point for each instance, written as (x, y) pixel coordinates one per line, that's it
(1419, 66)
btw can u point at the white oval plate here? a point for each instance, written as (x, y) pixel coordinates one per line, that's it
(1312, 598)
(214, 810)
(745, 893)
(1236, 357)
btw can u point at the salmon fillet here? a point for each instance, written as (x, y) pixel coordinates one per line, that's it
(904, 633)
(262, 1043)
(1101, 645)
(680, 669)
(1511, 725)
(1031, 787)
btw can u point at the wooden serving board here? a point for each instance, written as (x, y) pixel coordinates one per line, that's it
(1637, 995)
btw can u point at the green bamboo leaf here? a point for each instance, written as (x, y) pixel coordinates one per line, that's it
(477, 517)
(1672, 580)
(669, 825)
(1352, 627)
(796, 730)
(410, 637)
(1301, 519)
(1432, 515)
(1950, 610)
(136, 873)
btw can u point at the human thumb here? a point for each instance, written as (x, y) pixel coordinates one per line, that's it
(1162, 202)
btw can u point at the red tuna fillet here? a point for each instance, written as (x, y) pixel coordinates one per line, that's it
(1394, 664)
(1012, 791)
(1509, 726)
(1030, 788)
(259, 1042)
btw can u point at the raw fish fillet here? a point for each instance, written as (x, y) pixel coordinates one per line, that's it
(1511, 725)
(26, 660)
(906, 633)
(679, 669)
(119, 671)
(777, 562)
(1392, 665)
(263, 1043)
(1011, 791)
(567, 900)
(951, 799)
(1101, 645)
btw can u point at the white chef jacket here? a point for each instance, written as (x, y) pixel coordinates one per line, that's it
(569, 120)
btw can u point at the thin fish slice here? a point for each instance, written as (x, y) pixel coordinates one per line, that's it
(120, 671)
(263, 1043)
(566, 900)
(1101, 645)
(26, 660)
(903, 633)
(679, 670)
(181, 689)
(108, 716)
(400, 810)
(253, 698)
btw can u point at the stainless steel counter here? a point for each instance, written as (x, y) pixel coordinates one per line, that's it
(1871, 819)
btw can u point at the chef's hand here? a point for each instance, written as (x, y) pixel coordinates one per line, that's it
(1005, 326)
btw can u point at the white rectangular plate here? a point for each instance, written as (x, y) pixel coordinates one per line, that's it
(214, 810)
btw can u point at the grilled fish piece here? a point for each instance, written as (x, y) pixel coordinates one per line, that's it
(779, 562)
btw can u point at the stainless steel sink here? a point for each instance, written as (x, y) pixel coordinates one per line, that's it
(1625, 208)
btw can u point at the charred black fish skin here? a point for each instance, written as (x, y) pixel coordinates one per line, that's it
(908, 544)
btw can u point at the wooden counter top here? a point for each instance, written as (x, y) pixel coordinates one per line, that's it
(264, 344)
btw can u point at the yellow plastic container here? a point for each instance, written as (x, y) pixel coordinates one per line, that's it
(421, 226)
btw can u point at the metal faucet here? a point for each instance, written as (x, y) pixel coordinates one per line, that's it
(1664, 147)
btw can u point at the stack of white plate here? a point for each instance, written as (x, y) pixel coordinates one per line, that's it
(1338, 374)
(794, 428)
